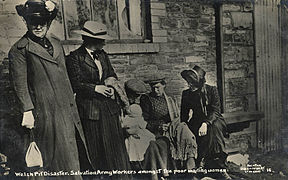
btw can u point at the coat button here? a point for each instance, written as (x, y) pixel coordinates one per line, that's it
(71, 104)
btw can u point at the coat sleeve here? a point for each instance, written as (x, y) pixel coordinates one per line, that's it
(18, 73)
(214, 111)
(74, 73)
(175, 107)
(184, 110)
(110, 70)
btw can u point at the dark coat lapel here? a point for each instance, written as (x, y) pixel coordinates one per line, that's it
(89, 61)
(87, 58)
(56, 48)
(102, 59)
(38, 50)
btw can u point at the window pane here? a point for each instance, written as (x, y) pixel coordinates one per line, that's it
(57, 27)
(130, 20)
(105, 11)
(76, 13)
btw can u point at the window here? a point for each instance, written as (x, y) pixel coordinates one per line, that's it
(127, 20)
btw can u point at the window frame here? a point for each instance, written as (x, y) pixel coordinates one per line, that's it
(146, 27)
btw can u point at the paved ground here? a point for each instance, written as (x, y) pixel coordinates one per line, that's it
(269, 166)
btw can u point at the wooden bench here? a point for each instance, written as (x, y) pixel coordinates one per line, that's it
(237, 121)
(238, 124)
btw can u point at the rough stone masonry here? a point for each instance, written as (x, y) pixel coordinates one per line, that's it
(183, 35)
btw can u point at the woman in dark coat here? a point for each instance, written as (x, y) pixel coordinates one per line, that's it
(200, 109)
(41, 83)
(89, 67)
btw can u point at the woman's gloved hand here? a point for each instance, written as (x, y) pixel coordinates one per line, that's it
(203, 129)
(104, 90)
(28, 120)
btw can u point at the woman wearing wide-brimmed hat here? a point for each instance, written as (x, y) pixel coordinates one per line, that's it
(41, 83)
(200, 109)
(93, 78)
(163, 119)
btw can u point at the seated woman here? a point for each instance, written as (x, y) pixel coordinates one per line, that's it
(200, 109)
(162, 116)
(156, 155)
(135, 125)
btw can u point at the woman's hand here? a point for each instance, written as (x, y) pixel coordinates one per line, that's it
(28, 120)
(110, 92)
(104, 90)
(203, 129)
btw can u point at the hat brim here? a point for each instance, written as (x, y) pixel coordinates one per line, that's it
(83, 33)
(155, 81)
(189, 76)
(137, 86)
(46, 16)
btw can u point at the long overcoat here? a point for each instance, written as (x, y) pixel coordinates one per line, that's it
(195, 103)
(42, 85)
(99, 114)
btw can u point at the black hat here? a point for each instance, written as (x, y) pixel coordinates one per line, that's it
(42, 10)
(194, 75)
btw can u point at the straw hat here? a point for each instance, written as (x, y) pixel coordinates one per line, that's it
(95, 30)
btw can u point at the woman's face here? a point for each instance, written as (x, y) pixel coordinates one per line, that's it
(94, 44)
(158, 89)
(38, 29)
(134, 100)
(193, 86)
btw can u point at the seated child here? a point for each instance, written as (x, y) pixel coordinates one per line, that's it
(140, 137)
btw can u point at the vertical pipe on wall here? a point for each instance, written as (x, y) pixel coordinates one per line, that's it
(219, 54)
(63, 19)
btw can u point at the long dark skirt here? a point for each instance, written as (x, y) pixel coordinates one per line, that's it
(105, 142)
(157, 157)
(211, 147)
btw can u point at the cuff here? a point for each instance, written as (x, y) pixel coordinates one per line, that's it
(96, 89)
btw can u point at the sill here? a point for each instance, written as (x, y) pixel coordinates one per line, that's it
(238, 121)
(239, 117)
(121, 48)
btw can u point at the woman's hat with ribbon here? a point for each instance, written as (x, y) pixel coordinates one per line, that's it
(95, 30)
(37, 10)
(195, 75)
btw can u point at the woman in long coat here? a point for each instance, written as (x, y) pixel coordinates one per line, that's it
(42, 86)
(88, 68)
(200, 109)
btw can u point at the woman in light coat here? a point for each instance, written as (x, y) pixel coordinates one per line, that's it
(41, 83)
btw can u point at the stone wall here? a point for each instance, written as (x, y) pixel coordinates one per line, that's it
(239, 66)
(239, 57)
(183, 36)
(184, 32)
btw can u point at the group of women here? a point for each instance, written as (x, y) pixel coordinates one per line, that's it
(192, 137)
(75, 105)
